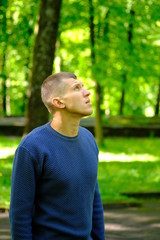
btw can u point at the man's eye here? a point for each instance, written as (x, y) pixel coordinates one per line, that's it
(77, 87)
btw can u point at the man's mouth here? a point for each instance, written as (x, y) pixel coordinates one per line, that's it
(88, 101)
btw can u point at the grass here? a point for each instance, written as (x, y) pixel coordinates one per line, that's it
(129, 165)
(116, 178)
(126, 165)
(7, 149)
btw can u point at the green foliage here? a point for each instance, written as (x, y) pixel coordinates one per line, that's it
(115, 55)
(126, 44)
(16, 49)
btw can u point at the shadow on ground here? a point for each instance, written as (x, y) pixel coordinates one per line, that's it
(131, 223)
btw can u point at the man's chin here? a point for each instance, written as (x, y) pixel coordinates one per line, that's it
(87, 113)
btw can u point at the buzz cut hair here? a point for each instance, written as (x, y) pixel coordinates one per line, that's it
(54, 86)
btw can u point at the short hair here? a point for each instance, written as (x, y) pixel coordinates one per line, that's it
(53, 86)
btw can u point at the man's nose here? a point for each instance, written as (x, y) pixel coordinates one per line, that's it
(86, 92)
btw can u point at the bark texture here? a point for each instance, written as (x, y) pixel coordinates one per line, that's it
(42, 65)
(98, 120)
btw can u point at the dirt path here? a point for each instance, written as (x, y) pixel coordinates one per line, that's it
(120, 224)
(136, 223)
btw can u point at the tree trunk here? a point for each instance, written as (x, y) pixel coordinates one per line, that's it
(4, 87)
(43, 56)
(124, 78)
(3, 74)
(122, 95)
(157, 101)
(130, 30)
(98, 120)
(28, 58)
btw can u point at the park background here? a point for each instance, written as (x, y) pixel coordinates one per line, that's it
(114, 48)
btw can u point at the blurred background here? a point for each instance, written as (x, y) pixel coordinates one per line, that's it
(114, 48)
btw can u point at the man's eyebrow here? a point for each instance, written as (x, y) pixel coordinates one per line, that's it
(78, 83)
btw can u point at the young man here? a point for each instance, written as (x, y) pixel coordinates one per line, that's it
(54, 192)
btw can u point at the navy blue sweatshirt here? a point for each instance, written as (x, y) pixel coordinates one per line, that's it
(54, 190)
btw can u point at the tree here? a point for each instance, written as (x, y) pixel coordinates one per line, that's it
(16, 41)
(42, 61)
(124, 77)
(98, 115)
(157, 101)
(4, 41)
(126, 53)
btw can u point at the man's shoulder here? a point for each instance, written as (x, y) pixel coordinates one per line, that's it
(35, 136)
(84, 130)
(88, 138)
(86, 134)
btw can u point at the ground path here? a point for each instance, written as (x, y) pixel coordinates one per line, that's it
(131, 223)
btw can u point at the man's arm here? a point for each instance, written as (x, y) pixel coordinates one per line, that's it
(98, 232)
(22, 195)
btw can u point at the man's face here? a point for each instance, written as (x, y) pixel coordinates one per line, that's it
(76, 98)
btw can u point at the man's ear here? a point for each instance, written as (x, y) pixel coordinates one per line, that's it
(57, 103)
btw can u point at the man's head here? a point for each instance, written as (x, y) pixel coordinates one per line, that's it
(54, 86)
(64, 93)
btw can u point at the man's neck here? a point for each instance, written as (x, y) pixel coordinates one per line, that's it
(65, 126)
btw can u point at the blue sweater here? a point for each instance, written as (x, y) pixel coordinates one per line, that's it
(54, 190)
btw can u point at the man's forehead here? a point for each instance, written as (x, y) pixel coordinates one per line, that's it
(72, 81)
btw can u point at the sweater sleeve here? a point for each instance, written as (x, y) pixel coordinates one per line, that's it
(22, 194)
(98, 232)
